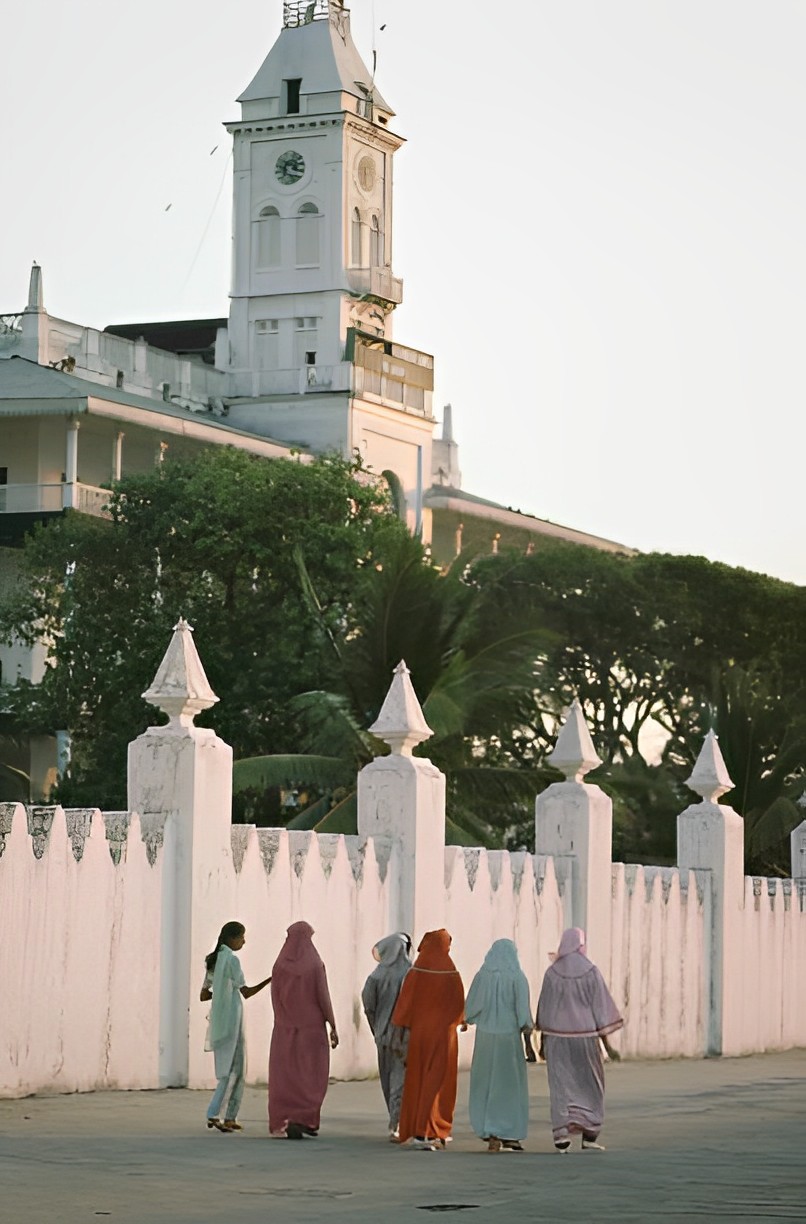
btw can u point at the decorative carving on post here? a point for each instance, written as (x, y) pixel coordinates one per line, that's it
(7, 811)
(574, 754)
(180, 688)
(710, 837)
(117, 833)
(574, 826)
(79, 823)
(402, 797)
(40, 823)
(401, 722)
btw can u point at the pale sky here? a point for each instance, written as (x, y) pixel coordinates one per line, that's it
(599, 221)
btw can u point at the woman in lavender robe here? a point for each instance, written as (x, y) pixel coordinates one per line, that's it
(575, 1015)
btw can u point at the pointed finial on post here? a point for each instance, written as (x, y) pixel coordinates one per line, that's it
(36, 302)
(574, 753)
(180, 688)
(447, 423)
(710, 777)
(401, 723)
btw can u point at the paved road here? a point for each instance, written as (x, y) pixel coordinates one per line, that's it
(687, 1141)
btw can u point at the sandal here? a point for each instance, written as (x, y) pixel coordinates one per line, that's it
(493, 1144)
(218, 1125)
(512, 1145)
(232, 1125)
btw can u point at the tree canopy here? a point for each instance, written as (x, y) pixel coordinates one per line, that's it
(305, 590)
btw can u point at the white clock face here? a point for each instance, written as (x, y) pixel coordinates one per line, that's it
(366, 173)
(289, 167)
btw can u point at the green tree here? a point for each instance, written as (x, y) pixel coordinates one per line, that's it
(474, 674)
(215, 540)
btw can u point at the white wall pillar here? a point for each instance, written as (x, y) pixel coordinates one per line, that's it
(797, 843)
(70, 465)
(402, 797)
(574, 824)
(711, 838)
(180, 778)
(117, 455)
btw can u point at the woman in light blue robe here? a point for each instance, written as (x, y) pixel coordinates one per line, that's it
(498, 1004)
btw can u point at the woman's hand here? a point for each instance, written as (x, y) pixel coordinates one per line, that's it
(463, 1027)
(334, 1039)
(612, 1054)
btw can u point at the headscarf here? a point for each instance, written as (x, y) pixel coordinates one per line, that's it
(297, 955)
(299, 991)
(382, 988)
(434, 953)
(498, 999)
(574, 1000)
(432, 996)
(572, 940)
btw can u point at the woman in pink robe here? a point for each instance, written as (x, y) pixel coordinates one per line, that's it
(299, 1055)
(575, 1016)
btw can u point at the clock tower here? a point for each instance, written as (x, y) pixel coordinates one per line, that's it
(310, 348)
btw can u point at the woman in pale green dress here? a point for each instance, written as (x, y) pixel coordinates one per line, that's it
(224, 984)
(498, 1004)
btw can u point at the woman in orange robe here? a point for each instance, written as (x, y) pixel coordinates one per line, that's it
(431, 1006)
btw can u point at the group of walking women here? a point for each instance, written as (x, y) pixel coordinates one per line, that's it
(415, 1012)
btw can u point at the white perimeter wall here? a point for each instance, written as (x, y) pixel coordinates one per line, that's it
(81, 935)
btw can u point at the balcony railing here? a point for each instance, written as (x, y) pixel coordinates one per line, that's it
(377, 283)
(52, 498)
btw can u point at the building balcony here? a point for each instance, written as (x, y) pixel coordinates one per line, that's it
(376, 283)
(53, 498)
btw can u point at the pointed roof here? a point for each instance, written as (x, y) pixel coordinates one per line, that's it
(180, 688)
(320, 53)
(574, 753)
(401, 722)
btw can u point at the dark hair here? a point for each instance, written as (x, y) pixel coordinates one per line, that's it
(230, 930)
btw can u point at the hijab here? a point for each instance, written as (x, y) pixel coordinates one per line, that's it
(574, 1000)
(382, 987)
(434, 952)
(297, 955)
(498, 999)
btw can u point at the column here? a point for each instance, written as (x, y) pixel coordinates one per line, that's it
(574, 824)
(117, 455)
(180, 778)
(710, 838)
(69, 493)
(402, 797)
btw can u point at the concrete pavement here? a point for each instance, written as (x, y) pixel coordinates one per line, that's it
(687, 1141)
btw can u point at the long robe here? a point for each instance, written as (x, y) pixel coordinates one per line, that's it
(430, 1006)
(379, 997)
(574, 1011)
(498, 1004)
(299, 1054)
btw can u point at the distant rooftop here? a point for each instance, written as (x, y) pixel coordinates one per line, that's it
(185, 337)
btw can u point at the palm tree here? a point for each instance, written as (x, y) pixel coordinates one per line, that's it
(475, 687)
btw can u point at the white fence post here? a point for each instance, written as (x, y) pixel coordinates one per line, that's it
(797, 843)
(180, 782)
(710, 837)
(402, 797)
(574, 824)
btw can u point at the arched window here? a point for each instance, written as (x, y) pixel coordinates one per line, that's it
(355, 239)
(375, 244)
(308, 235)
(268, 238)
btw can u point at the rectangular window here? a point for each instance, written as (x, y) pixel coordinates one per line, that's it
(291, 91)
(3, 475)
(305, 340)
(267, 344)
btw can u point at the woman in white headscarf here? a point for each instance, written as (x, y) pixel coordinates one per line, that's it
(379, 997)
(498, 1004)
(576, 1015)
